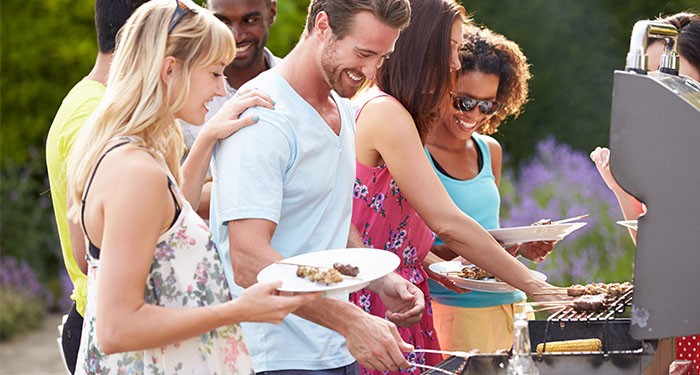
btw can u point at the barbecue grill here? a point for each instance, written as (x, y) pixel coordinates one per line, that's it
(655, 143)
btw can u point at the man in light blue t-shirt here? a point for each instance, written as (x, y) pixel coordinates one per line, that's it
(284, 187)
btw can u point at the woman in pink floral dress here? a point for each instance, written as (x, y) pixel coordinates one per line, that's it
(158, 302)
(387, 221)
(399, 201)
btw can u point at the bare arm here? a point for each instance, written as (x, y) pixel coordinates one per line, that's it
(220, 126)
(373, 341)
(126, 220)
(77, 241)
(632, 208)
(354, 238)
(205, 200)
(386, 133)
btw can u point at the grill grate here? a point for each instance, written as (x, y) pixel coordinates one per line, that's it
(618, 306)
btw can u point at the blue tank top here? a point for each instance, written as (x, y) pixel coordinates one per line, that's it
(478, 198)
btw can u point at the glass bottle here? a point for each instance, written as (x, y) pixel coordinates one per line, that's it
(521, 362)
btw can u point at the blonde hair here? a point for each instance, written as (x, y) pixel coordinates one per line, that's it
(137, 101)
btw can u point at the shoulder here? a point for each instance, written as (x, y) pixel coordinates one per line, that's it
(129, 165)
(493, 145)
(77, 106)
(271, 59)
(84, 97)
(384, 112)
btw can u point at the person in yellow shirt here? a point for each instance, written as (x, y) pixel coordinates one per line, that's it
(76, 107)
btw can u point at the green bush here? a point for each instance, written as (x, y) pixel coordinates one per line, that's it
(18, 313)
(23, 299)
(26, 218)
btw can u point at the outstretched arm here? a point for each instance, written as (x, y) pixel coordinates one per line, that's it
(386, 134)
(632, 208)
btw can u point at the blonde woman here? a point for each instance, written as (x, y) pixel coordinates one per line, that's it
(158, 301)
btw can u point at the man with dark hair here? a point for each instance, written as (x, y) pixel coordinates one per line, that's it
(110, 16)
(250, 21)
(284, 187)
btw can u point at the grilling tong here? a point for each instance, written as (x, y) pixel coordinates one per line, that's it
(464, 355)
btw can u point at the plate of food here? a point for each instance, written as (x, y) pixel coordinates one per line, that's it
(338, 270)
(530, 233)
(472, 277)
(631, 224)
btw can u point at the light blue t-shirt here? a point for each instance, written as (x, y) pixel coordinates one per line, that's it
(292, 169)
(478, 198)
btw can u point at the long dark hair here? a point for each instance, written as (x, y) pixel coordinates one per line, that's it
(418, 72)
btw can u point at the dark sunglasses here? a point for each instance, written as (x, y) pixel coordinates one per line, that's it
(465, 104)
(183, 7)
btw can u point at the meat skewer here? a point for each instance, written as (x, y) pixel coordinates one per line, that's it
(344, 269)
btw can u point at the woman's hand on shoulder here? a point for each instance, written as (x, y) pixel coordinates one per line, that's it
(263, 303)
(228, 119)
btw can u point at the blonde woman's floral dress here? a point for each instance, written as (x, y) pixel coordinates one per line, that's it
(387, 221)
(186, 272)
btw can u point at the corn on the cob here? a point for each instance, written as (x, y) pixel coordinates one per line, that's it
(583, 345)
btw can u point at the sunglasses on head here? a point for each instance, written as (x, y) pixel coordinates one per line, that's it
(465, 103)
(183, 7)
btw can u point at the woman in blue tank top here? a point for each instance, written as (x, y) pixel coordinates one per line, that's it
(492, 85)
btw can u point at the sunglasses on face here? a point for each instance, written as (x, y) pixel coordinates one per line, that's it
(183, 7)
(465, 103)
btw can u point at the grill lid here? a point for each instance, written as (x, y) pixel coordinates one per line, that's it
(655, 143)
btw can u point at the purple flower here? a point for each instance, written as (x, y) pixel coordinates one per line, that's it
(377, 202)
(365, 301)
(164, 252)
(410, 254)
(559, 182)
(201, 274)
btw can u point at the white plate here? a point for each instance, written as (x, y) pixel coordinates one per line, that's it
(487, 285)
(530, 233)
(632, 224)
(373, 264)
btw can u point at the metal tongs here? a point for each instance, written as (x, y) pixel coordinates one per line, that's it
(464, 355)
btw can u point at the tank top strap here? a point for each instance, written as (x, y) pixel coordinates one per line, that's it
(94, 250)
(172, 187)
(366, 98)
(485, 154)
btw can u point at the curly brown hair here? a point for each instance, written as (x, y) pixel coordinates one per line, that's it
(489, 52)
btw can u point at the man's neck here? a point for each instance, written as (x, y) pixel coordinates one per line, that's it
(301, 70)
(237, 77)
(100, 71)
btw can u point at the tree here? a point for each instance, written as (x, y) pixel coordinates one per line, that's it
(574, 48)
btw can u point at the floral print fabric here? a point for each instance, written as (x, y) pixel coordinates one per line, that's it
(186, 272)
(387, 221)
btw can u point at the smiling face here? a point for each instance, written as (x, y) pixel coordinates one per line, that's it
(250, 21)
(205, 83)
(477, 85)
(349, 61)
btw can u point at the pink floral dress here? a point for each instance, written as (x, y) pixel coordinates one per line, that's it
(186, 272)
(387, 221)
